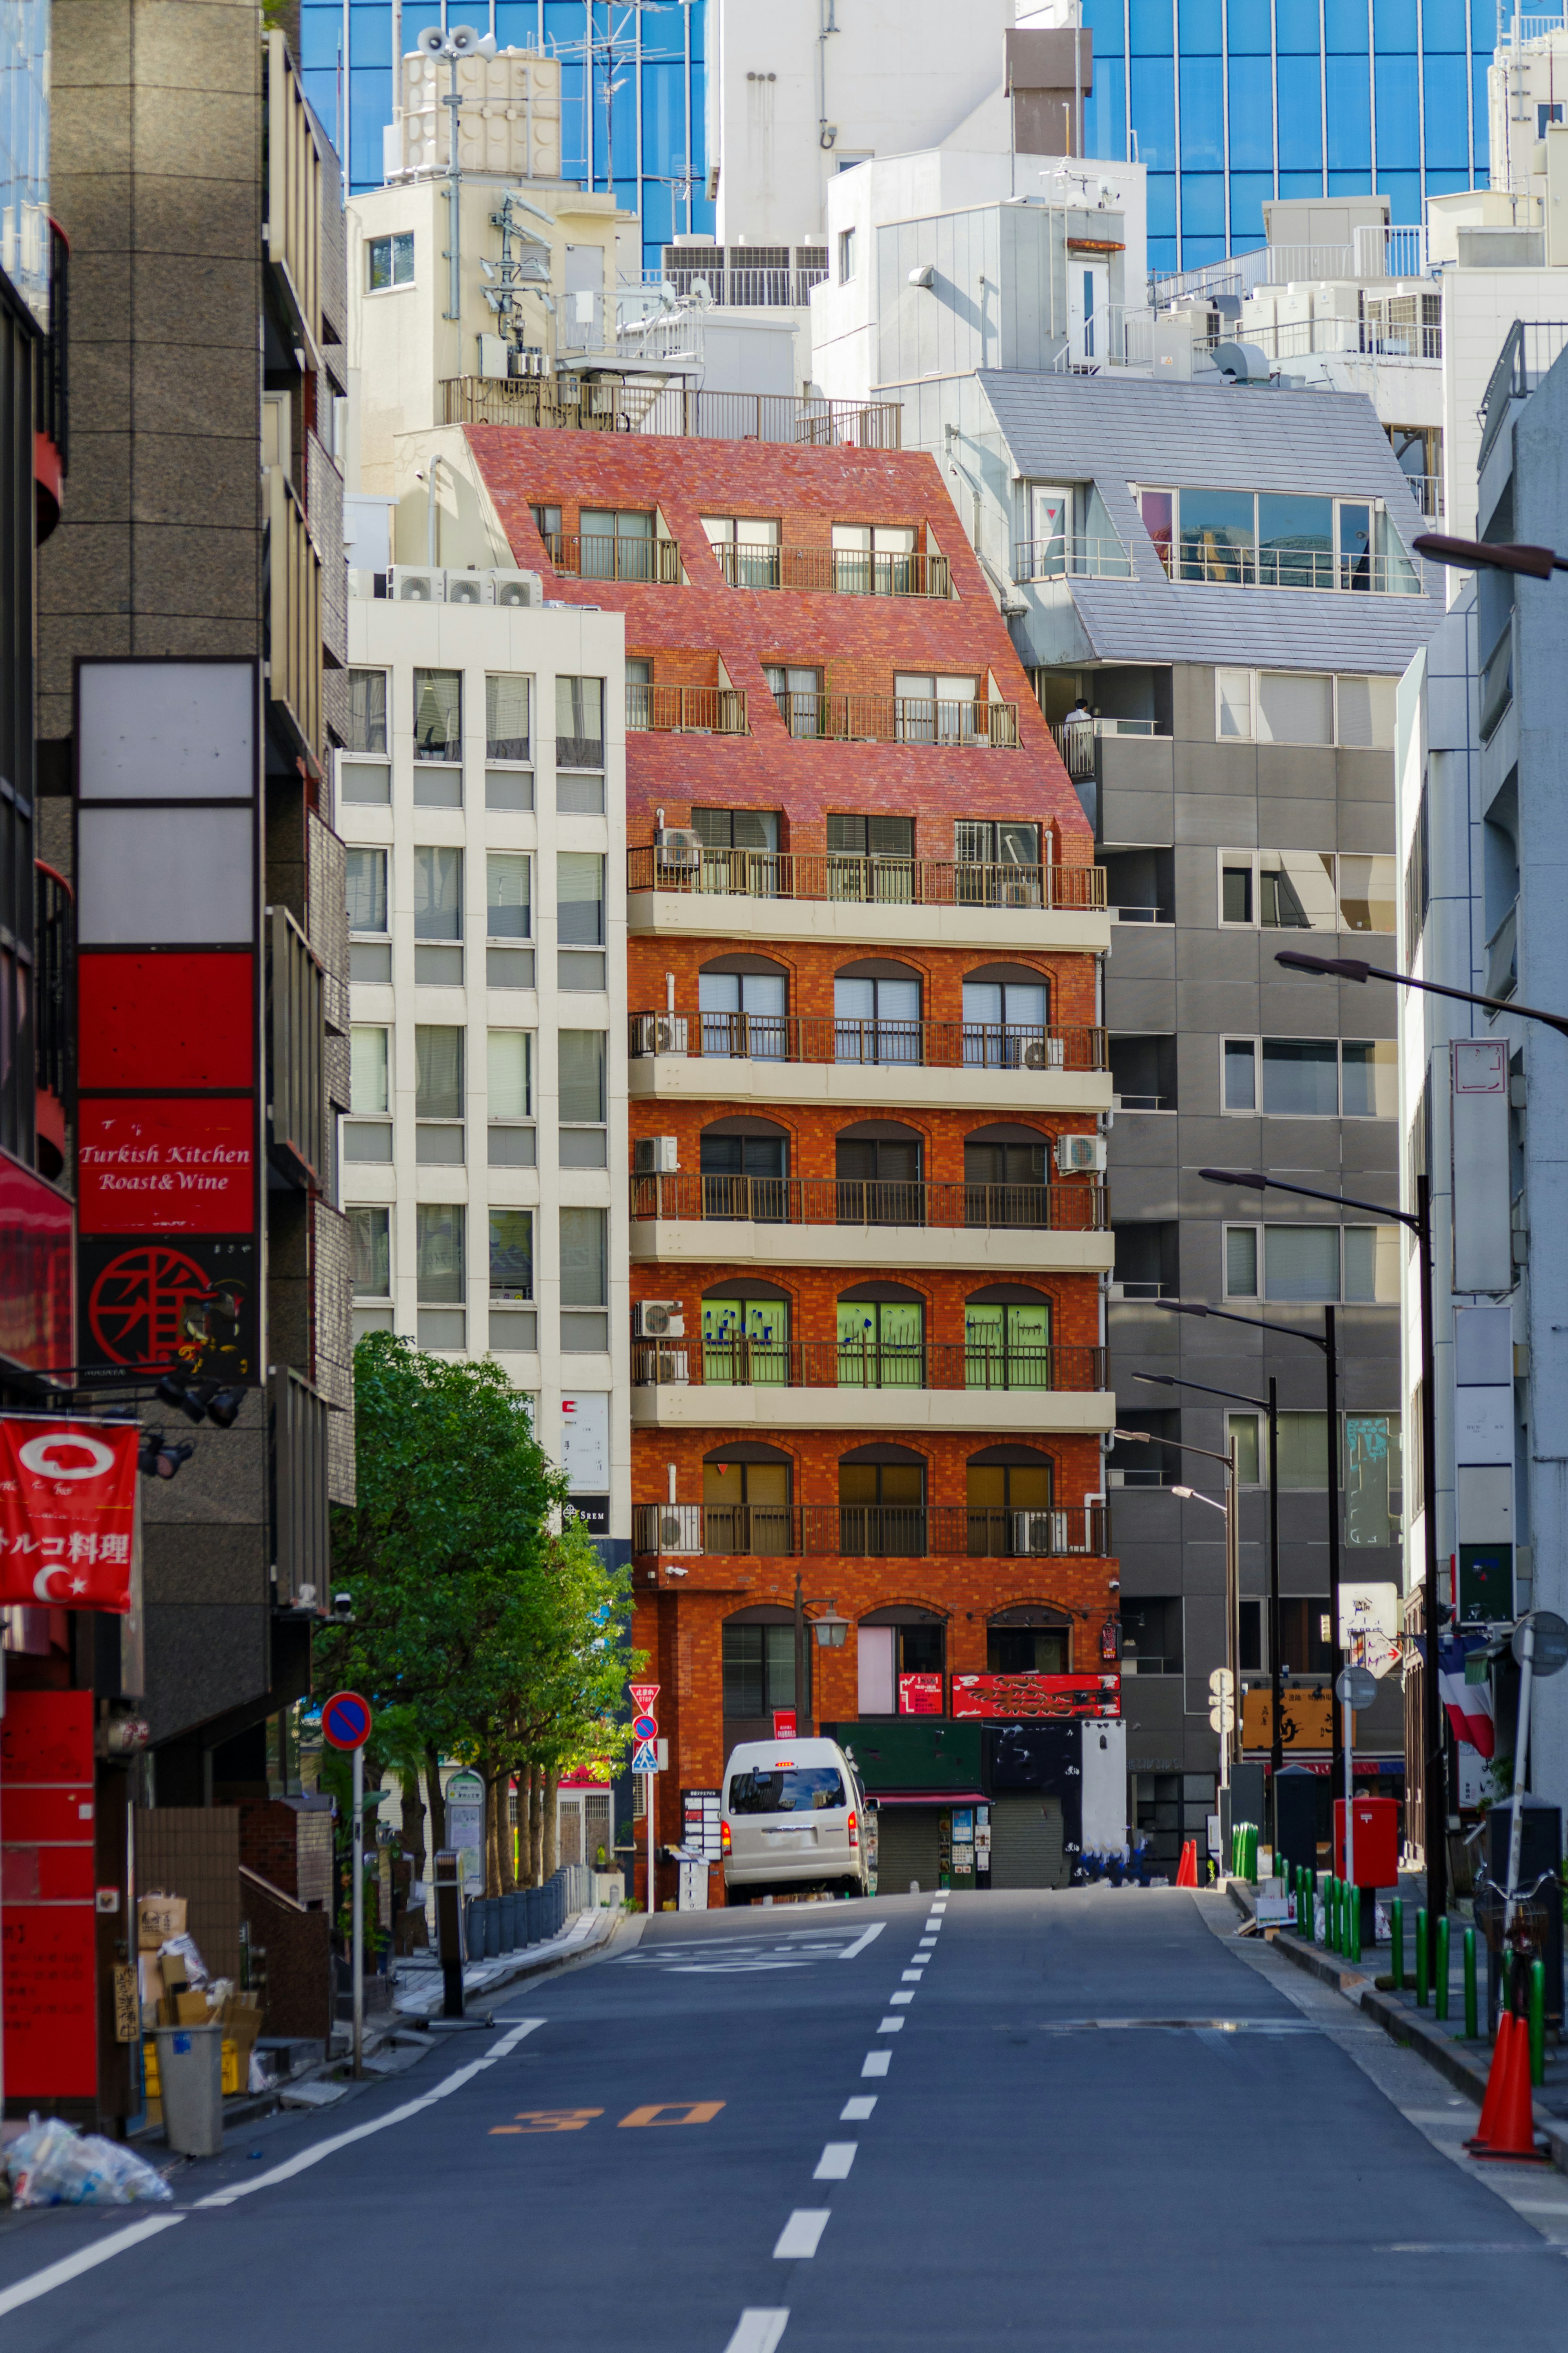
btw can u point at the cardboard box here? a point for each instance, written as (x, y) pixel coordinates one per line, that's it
(159, 1917)
(191, 2009)
(175, 1974)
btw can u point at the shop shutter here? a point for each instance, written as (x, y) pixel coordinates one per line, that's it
(1026, 1843)
(906, 1848)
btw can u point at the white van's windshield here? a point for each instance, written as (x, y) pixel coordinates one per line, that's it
(797, 1789)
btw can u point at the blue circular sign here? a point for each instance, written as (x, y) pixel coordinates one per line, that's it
(346, 1720)
(644, 1727)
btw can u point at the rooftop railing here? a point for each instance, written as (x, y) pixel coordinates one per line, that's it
(848, 572)
(907, 1531)
(869, 881)
(1032, 1050)
(848, 1365)
(603, 404)
(1069, 1207)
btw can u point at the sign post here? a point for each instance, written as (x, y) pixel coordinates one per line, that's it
(645, 1760)
(345, 1723)
(1354, 1688)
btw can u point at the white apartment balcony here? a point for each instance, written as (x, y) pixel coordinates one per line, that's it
(696, 1221)
(836, 1386)
(888, 1065)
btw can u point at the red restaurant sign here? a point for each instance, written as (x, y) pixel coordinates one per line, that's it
(1035, 1695)
(68, 1513)
(180, 1164)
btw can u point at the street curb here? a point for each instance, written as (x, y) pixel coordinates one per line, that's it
(1467, 2072)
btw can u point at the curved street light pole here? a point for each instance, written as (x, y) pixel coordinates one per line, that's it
(1230, 1736)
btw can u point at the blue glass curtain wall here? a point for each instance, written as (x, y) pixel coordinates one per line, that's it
(630, 123)
(1228, 102)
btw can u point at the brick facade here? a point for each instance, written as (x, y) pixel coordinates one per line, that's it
(703, 632)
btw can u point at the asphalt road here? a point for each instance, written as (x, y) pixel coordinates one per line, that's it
(1086, 2120)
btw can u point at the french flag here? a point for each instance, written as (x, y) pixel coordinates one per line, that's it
(1469, 1706)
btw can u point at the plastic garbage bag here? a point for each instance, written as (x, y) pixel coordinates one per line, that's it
(197, 1970)
(52, 2164)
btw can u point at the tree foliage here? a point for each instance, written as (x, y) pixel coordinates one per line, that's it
(484, 1619)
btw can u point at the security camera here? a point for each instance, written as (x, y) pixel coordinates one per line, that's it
(1115, 1584)
(677, 1572)
(343, 1605)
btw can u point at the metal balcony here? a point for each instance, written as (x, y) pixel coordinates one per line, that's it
(685, 710)
(1077, 1206)
(848, 572)
(864, 1530)
(841, 1365)
(828, 1037)
(863, 881)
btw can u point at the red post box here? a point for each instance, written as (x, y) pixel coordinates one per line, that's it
(1376, 1841)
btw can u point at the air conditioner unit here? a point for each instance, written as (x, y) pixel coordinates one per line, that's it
(656, 1156)
(678, 847)
(674, 1368)
(659, 1319)
(1044, 1053)
(519, 590)
(365, 584)
(679, 1529)
(414, 585)
(1019, 894)
(1039, 1533)
(470, 588)
(1076, 1155)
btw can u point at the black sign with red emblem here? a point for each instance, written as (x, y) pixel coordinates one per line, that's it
(157, 1300)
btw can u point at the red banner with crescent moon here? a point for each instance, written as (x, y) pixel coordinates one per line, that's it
(68, 1513)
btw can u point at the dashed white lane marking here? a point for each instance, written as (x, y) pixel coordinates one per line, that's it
(891, 2026)
(877, 2062)
(855, 2111)
(759, 2330)
(72, 2266)
(900, 1997)
(835, 2160)
(913, 1977)
(799, 2238)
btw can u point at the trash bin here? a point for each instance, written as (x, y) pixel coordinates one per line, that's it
(190, 2081)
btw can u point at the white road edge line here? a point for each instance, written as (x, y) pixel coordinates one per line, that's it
(877, 2062)
(834, 2164)
(759, 2330)
(801, 2235)
(322, 2148)
(71, 2267)
(861, 1941)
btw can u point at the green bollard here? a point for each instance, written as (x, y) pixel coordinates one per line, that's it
(1397, 1939)
(1353, 1923)
(1423, 1960)
(1331, 1916)
(1440, 1978)
(1537, 2022)
(1472, 2028)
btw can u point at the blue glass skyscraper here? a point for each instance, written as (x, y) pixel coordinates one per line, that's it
(1228, 102)
(633, 90)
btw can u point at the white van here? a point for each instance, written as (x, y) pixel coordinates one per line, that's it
(794, 1817)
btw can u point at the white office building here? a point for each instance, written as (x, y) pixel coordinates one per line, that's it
(482, 798)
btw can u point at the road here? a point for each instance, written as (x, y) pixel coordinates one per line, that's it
(1077, 2120)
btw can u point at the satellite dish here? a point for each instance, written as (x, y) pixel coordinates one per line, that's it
(431, 43)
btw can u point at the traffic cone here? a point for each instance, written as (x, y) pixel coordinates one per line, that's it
(1483, 2131)
(1187, 1869)
(1512, 2138)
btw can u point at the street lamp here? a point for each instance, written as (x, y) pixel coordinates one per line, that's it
(1419, 1223)
(830, 1630)
(1331, 1386)
(1356, 968)
(1232, 1573)
(1499, 556)
(1268, 1405)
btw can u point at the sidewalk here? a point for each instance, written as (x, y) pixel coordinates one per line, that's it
(417, 1984)
(1441, 2041)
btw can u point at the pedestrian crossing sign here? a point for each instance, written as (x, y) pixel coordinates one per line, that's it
(645, 1757)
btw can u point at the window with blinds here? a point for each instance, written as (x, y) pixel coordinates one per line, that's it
(723, 828)
(871, 836)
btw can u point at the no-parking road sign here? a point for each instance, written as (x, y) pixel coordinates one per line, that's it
(346, 1720)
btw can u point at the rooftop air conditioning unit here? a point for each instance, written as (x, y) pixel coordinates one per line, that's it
(659, 1319)
(363, 583)
(414, 585)
(1039, 1535)
(470, 588)
(519, 590)
(1044, 1053)
(656, 1156)
(679, 848)
(1077, 1154)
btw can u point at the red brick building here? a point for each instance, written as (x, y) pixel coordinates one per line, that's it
(868, 1226)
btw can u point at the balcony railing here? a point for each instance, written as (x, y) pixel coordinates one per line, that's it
(602, 405)
(1069, 1207)
(900, 719)
(1530, 348)
(1426, 490)
(1216, 564)
(1071, 559)
(865, 881)
(906, 1532)
(825, 1037)
(687, 710)
(849, 572)
(1076, 739)
(588, 555)
(862, 1365)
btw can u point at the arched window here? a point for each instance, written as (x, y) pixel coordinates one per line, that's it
(1006, 1168)
(1031, 1640)
(746, 1499)
(881, 1337)
(882, 1501)
(902, 1654)
(744, 1163)
(743, 1004)
(746, 1333)
(878, 1162)
(759, 1671)
(877, 1012)
(1009, 1491)
(1007, 1338)
(1006, 1009)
